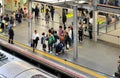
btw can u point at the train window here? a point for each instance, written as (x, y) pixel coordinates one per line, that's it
(38, 76)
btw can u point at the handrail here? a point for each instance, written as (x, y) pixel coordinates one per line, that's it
(108, 34)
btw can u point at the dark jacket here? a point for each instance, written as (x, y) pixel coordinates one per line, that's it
(80, 31)
(11, 32)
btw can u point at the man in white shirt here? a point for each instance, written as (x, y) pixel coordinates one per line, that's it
(35, 38)
(70, 35)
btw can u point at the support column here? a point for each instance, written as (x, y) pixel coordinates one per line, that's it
(29, 22)
(95, 13)
(75, 51)
(60, 16)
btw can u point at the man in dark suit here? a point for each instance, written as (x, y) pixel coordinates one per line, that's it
(11, 35)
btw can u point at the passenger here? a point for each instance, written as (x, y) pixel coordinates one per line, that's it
(67, 40)
(18, 17)
(52, 31)
(80, 24)
(43, 38)
(80, 34)
(90, 30)
(11, 21)
(25, 12)
(64, 18)
(56, 38)
(59, 48)
(35, 38)
(6, 18)
(60, 31)
(108, 19)
(47, 17)
(42, 8)
(36, 12)
(70, 35)
(52, 11)
(11, 35)
(3, 25)
(50, 42)
(118, 64)
(117, 75)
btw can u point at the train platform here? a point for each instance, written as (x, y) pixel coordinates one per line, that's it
(94, 58)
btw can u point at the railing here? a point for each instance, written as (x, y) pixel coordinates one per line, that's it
(104, 28)
(110, 38)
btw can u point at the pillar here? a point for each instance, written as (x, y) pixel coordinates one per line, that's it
(29, 22)
(75, 45)
(95, 13)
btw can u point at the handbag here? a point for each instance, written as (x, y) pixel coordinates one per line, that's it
(44, 45)
(37, 38)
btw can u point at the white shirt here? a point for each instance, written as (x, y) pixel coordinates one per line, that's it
(35, 36)
(91, 20)
(70, 33)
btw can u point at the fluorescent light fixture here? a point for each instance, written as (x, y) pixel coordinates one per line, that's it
(53, 1)
(81, 2)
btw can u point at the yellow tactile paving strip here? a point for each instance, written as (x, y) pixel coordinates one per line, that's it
(85, 70)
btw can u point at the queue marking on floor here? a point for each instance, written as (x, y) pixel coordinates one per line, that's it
(82, 69)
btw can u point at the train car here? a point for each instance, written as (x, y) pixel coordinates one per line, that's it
(21, 69)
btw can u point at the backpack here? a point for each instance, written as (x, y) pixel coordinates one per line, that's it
(42, 40)
(59, 47)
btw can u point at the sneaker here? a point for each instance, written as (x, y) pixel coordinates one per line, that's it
(50, 52)
(56, 54)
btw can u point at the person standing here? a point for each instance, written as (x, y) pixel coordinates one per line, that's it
(36, 12)
(52, 10)
(18, 17)
(43, 38)
(90, 31)
(70, 35)
(35, 38)
(11, 35)
(80, 33)
(50, 42)
(64, 18)
(118, 64)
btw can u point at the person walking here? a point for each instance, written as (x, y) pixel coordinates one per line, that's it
(47, 17)
(35, 38)
(11, 35)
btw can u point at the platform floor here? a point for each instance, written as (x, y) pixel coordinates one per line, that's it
(98, 56)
